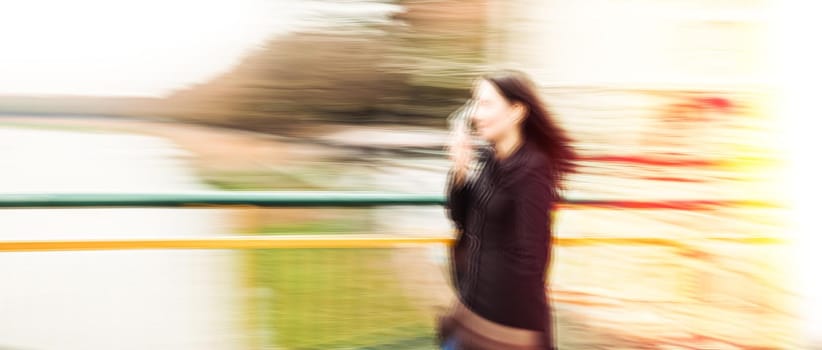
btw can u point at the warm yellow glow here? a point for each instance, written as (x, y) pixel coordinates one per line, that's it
(799, 58)
(140, 47)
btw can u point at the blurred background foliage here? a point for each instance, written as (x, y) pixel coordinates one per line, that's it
(405, 61)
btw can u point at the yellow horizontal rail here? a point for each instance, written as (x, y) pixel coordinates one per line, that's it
(229, 242)
(330, 241)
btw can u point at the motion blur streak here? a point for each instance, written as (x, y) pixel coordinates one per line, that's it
(799, 79)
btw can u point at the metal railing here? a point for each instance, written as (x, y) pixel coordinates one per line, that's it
(330, 241)
(320, 199)
(343, 290)
(323, 199)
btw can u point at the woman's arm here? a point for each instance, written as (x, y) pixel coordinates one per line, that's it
(531, 220)
(457, 194)
(457, 200)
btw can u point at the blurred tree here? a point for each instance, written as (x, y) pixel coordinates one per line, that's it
(413, 68)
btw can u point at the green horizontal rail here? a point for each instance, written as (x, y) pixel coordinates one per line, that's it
(318, 199)
(217, 198)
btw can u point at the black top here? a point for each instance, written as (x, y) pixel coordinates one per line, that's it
(503, 250)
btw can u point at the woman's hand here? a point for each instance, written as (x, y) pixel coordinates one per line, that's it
(460, 151)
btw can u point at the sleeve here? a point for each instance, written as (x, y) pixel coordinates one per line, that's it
(531, 220)
(457, 201)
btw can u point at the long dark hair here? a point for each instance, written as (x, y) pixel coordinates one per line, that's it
(538, 126)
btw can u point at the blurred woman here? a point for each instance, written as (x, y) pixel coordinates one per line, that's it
(499, 198)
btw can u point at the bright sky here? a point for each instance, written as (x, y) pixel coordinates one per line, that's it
(139, 47)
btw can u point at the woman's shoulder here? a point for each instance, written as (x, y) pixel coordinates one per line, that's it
(529, 165)
(529, 159)
(535, 158)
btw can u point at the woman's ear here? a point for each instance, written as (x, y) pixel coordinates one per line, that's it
(520, 111)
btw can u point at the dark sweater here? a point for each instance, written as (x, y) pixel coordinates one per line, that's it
(503, 250)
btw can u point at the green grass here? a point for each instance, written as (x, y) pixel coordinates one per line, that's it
(308, 176)
(258, 180)
(326, 298)
(354, 224)
(334, 298)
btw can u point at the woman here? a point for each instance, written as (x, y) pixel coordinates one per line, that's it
(501, 210)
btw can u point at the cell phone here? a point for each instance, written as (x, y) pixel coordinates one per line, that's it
(460, 120)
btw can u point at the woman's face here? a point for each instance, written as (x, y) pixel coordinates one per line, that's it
(493, 115)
